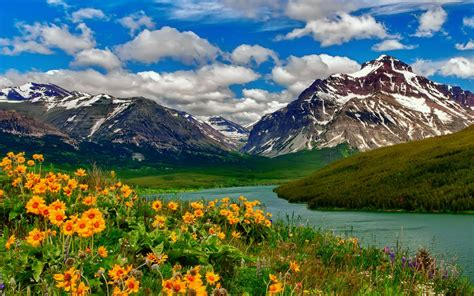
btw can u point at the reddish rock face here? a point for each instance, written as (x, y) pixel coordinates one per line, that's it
(382, 104)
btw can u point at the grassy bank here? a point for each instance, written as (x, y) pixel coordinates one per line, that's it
(88, 233)
(432, 175)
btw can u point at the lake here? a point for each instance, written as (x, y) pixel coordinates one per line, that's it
(448, 236)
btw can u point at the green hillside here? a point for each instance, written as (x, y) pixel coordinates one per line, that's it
(435, 174)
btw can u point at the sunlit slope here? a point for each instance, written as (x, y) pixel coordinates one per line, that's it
(435, 174)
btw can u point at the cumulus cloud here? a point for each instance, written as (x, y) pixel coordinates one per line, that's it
(340, 29)
(136, 21)
(41, 38)
(297, 73)
(468, 21)
(467, 46)
(431, 21)
(201, 92)
(391, 44)
(460, 67)
(246, 54)
(87, 13)
(97, 57)
(167, 42)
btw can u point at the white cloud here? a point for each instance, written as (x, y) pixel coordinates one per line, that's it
(41, 38)
(136, 21)
(202, 92)
(16, 46)
(467, 46)
(468, 21)
(246, 54)
(391, 44)
(340, 29)
(431, 22)
(57, 3)
(298, 73)
(97, 57)
(460, 67)
(167, 42)
(87, 13)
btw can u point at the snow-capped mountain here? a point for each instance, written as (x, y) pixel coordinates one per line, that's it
(102, 118)
(382, 104)
(233, 131)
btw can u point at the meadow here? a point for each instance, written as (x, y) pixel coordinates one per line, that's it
(87, 233)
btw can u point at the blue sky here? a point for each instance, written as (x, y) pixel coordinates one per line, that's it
(240, 59)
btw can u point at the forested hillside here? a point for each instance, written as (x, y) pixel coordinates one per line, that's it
(435, 174)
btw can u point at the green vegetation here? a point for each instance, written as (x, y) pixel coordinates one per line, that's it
(175, 172)
(432, 175)
(235, 170)
(89, 234)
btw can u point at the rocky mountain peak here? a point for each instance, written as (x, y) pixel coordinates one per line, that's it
(387, 64)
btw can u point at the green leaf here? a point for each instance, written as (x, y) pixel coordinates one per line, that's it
(158, 249)
(37, 269)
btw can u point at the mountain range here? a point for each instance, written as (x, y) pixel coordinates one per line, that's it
(382, 104)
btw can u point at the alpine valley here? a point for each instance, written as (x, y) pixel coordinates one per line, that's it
(382, 104)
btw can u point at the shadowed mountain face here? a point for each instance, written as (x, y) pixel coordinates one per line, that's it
(105, 119)
(382, 104)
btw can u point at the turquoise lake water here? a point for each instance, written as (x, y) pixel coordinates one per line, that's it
(449, 237)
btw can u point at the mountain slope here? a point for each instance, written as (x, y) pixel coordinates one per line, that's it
(105, 119)
(233, 131)
(435, 174)
(383, 104)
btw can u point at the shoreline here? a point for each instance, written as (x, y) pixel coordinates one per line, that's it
(149, 191)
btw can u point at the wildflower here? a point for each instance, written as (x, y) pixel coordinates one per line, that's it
(58, 205)
(273, 278)
(198, 213)
(188, 218)
(68, 280)
(156, 205)
(21, 169)
(83, 227)
(80, 173)
(126, 191)
(81, 290)
(294, 266)
(38, 157)
(35, 237)
(133, 286)
(34, 205)
(221, 235)
(174, 286)
(83, 187)
(89, 200)
(102, 251)
(159, 222)
(212, 278)
(118, 272)
(92, 214)
(57, 217)
(10, 242)
(98, 225)
(2, 193)
(236, 234)
(173, 206)
(275, 288)
(68, 227)
(30, 163)
(118, 292)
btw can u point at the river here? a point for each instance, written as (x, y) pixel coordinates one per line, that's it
(449, 237)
